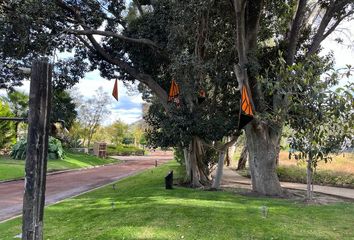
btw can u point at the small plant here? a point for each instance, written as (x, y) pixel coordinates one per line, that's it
(55, 149)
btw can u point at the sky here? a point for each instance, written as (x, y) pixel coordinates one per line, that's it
(343, 53)
(129, 107)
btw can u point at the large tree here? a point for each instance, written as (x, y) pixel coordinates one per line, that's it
(293, 31)
(98, 31)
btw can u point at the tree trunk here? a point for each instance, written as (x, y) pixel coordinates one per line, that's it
(88, 142)
(231, 151)
(219, 171)
(309, 174)
(227, 158)
(262, 146)
(243, 159)
(187, 163)
(198, 171)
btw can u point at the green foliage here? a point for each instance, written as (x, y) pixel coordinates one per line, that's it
(118, 131)
(7, 133)
(197, 62)
(55, 149)
(326, 123)
(18, 102)
(63, 108)
(18, 151)
(124, 150)
(178, 155)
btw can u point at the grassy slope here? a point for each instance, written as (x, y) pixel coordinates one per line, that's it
(143, 209)
(12, 169)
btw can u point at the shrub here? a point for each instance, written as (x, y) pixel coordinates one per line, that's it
(124, 150)
(55, 149)
(7, 128)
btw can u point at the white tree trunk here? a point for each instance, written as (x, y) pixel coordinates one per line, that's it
(219, 171)
(187, 163)
(309, 174)
(232, 150)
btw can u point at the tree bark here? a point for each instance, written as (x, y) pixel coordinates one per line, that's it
(231, 151)
(243, 159)
(36, 157)
(198, 171)
(187, 163)
(219, 171)
(262, 148)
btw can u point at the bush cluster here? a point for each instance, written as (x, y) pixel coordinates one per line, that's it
(55, 149)
(124, 150)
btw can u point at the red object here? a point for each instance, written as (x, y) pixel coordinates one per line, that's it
(115, 90)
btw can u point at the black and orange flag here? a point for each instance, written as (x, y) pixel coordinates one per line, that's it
(174, 91)
(115, 90)
(246, 110)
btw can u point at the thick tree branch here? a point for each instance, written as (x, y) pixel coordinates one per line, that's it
(295, 32)
(335, 25)
(243, 48)
(225, 146)
(142, 77)
(115, 35)
(254, 9)
(334, 8)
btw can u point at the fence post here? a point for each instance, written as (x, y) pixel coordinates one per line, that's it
(37, 148)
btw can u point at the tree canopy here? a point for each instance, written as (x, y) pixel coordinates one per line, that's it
(214, 46)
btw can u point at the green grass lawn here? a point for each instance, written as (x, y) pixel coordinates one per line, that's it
(143, 209)
(13, 169)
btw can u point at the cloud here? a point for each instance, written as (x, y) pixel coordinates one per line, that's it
(128, 108)
(126, 115)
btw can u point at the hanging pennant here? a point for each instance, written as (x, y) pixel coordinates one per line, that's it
(173, 95)
(246, 110)
(115, 90)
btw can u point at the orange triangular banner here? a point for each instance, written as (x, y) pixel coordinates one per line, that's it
(174, 91)
(246, 105)
(115, 90)
(246, 111)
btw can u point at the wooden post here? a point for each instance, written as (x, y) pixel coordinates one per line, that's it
(37, 148)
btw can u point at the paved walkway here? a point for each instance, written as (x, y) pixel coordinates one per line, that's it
(68, 184)
(232, 177)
